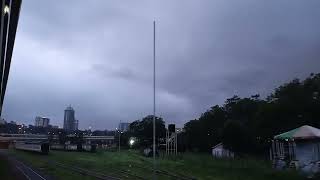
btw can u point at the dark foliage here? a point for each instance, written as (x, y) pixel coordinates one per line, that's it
(143, 130)
(246, 125)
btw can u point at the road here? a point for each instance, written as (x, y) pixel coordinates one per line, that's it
(19, 170)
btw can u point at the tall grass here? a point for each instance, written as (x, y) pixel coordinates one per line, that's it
(199, 166)
(4, 169)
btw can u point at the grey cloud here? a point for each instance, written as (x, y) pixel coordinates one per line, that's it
(117, 72)
(97, 56)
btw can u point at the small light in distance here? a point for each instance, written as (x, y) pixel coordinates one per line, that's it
(131, 142)
(6, 10)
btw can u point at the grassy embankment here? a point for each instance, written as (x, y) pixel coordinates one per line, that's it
(4, 169)
(200, 166)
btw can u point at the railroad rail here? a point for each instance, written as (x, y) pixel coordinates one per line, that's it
(86, 172)
(176, 176)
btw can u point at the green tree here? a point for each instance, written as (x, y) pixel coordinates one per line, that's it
(256, 120)
(203, 133)
(236, 137)
(143, 130)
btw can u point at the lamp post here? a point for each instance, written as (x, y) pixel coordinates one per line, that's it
(119, 134)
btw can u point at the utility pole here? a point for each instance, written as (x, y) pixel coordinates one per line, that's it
(119, 134)
(119, 138)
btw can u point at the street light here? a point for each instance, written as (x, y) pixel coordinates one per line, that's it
(131, 142)
(315, 95)
(119, 133)
(6, 10)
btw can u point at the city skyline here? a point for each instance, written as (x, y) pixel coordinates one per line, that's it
(42, 121)
(207, 51)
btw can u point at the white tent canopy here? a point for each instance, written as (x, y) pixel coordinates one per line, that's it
(303, 132)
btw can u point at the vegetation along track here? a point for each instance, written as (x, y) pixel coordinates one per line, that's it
(86, 172)
(168, 174)
(117, 174)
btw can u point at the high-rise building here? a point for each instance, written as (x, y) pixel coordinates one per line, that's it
(41, 121)
(124, 126)
(70, 123)
(76, 124)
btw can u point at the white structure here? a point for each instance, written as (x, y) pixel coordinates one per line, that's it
(42, 121)
(171, 143)
(218, 151)
(300, 148)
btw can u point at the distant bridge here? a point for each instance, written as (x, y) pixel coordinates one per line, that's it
(15, 137)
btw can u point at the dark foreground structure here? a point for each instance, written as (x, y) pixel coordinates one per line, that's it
(10, 10)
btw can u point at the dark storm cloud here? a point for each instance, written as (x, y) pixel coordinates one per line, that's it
(97, 56)
(126, 73)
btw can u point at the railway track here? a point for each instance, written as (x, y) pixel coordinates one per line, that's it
(120, 173)
(114, 175)
(24, 169)
(126, 174)
(176, 176)
(170, 174)
(82, 171)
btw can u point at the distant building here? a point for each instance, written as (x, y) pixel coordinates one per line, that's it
(41, 121)
(2, 121)
(218, 151)
(55, 127)
(76, 124)
(124, 127)
(70, 123)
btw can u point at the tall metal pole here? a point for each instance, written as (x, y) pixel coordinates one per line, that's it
(119, 131)
(119, 138)
(154, 100)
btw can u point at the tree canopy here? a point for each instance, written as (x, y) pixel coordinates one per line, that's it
(252, 121)
(143, 130)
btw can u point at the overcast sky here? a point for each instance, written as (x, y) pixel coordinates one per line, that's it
(97, 56)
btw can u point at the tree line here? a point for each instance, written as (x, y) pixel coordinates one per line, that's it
(244, 125)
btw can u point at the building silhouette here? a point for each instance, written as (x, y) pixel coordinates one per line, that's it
(124, 126)
(41, 121)
(70, 123)
(76, 124)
